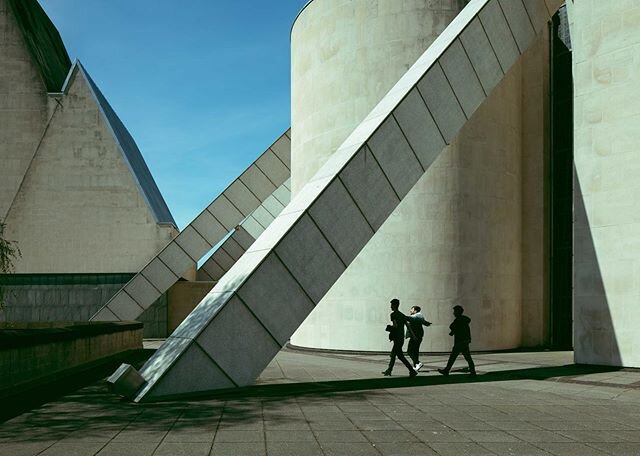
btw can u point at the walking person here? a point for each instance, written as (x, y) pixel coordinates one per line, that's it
(416, 322)
(396, 335)
(461, 339)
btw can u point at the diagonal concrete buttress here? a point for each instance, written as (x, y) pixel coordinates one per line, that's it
(243, 199)
(249, 315)
(244, 235)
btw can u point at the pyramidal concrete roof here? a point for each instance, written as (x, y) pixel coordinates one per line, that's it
(130, 151)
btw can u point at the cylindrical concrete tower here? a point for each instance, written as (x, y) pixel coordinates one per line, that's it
(455, 238)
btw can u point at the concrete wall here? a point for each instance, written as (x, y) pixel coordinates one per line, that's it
(79, 208)
(23, 108)
(457, 237)
(606, 55)
(33, 363)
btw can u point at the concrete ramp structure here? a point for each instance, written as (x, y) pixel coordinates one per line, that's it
(256, 306)
(245, 234)
(244, 201)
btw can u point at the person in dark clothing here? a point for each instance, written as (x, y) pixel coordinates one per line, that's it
(416, 321)
(461, 339)
(396, 335)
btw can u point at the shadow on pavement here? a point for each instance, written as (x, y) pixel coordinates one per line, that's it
(338, 386)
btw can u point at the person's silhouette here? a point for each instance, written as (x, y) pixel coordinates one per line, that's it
(461, 339)
(416, 321)
(396, 335)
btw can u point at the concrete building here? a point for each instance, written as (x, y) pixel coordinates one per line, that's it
(477, 153)
(75, 192)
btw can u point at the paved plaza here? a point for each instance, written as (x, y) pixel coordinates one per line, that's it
(312, 403)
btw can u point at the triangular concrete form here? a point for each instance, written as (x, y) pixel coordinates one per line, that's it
(241, 323)
(243, 199)
(81, 136)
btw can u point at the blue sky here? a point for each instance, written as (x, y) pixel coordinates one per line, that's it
(202, 85)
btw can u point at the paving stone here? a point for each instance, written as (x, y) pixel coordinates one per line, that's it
(490, 436)
(389, 437)
(287, 425)
(460, 449)
(73, 449)
(349, 448)
(300, 448)
(515, 449)
(441, 436)
(593, 436)
(540, 436)
(182, 449)
(288, 436)
(339, 436)
(569, 449)
(128, 449)
(618, 449)
(25, 448)
(405, 449)
(238, 449)
(224, 435)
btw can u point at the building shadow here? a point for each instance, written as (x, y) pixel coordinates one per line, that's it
(594, 336)
(288, 390)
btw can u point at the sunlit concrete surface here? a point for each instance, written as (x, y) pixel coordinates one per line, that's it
(533, 406)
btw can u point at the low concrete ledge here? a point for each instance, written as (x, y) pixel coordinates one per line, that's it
(34, 353)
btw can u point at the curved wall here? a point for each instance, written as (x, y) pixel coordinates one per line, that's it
(455, 238)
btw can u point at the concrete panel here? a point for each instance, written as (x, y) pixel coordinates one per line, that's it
(240, 345)
(209, 228)
(223, 259)
(159, 275)
(519, 22)
(283, 194)
(273, 206)
(241, 197)
(252, 227)
(442, 103)
(233, 248)
(462, 77)
(176, 259)
(399, 163)
(124, 307)
(257, 182)
(262, 216)
(310, 258)
(243, 238)
(371, 191)
(282, 149)
(166, 355)
(419, 128)
(192, 243)
(213, 269)
(194, 372)
(273, 168)
(225, 212)
(537, 13)
(500, 36)
(276, 299)
(481, 54)
(142, 291)
(274, 232)
(105, 314)
(340, 220)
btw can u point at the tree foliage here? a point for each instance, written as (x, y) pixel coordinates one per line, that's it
(9, 252)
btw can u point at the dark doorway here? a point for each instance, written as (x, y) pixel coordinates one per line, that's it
(561, 186)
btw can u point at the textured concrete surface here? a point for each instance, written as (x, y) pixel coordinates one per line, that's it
(348, 408)
(69, 220)
(304, 241)
(606, 51)
(470, 231)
